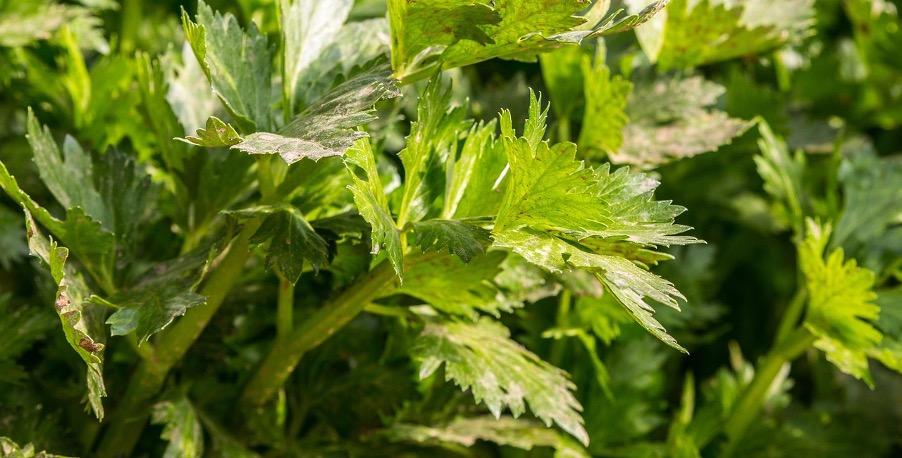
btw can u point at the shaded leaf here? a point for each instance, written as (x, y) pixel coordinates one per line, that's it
(89, 241)
(783, 177)
(477, 176)
(604, 117)
(460, 238)
(291, 240)
(430, 146)
(181, 428)
(164, 292)
(456, 288)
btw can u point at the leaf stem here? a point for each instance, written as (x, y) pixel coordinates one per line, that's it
(284, 356)
(792, 315)
(285, 307)
(131, 21)
(752, 399)
(131, 414)
(562, 319)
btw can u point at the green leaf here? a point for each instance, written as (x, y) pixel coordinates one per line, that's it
(181, 428)
(164, 292)
(329, 126)
(431, 144)
(604, 117)
(783, 177)
(563, 76)
(419, 25)
(10, 449)
(308, 28)
(25, 326)
(238, 65)
(214, 135)
(456, 288)
(514, 432)
(355, 44)
(23, 23)
(477, 176)
(872, 197)
(188, 92)
(500, 372)
(82, 321)
(13, 245)
(673, 119)
(461, 238)
(291, 240)
(560, 215)
(455, 33)
(67, 174)
(372, 205)
(841, 308)
(158, 114)
(690, 33)
(93, 245)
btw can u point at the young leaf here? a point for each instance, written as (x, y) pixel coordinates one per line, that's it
(841, 308)
(430, 146)
(501, 373)
(461, 238)
(156, 110)
(477, 177)
(329, 126)
(80, 319)
(514, 432)
(8, 448)
(372, 204)
(672, 119)
(214, 135)
(238, 65)
(782, 175)
(603, 118)
(180, 427)
(456, 288)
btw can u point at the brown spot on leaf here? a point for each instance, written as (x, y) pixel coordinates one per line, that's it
(89, 345)
(61, 302)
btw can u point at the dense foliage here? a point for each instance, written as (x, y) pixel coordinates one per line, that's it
(451, 227)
